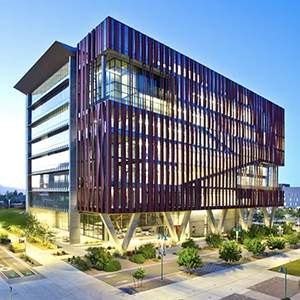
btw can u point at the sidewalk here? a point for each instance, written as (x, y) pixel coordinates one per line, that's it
(218, 285)
(61, 282)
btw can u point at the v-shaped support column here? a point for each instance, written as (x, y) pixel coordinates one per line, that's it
(170, 225)
(106, 220)
(184, 223)
(217, 226)
(121, 245)
(245, 224)
(269, 218)
(133, 223)
(177, 237)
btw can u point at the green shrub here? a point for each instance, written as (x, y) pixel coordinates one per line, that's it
(273, 230)
(189, 243)
(6, 226)
(255, 246)
(4, 241)
(60, 253)
(147, 250)
(48, 245)
(242, 235)
(99, 257)
(260, 231)
(230, 251)
(3, 234)
(34, 240)
(4, 238)
(112, 266)
(16, 230)
(288, 228)
(275, 243)
(83, 264)
(17, 247)
(214, 240)
(117, 254)
(292, 239)
(137, 258)
(189, 258)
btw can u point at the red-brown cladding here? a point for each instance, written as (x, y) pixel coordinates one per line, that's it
(117, 140)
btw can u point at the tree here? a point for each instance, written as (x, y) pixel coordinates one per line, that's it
(230, 251)
(189, 258)
(36, 231)
(139, 275)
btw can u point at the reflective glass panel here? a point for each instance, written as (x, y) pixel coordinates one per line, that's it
(51, 82)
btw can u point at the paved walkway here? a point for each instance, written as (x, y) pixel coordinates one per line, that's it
(235, 280)
(61, 282)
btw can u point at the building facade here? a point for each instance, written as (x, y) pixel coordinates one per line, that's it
(149, 140)
(291, 196)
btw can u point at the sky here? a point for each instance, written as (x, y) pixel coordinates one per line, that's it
(255, 43)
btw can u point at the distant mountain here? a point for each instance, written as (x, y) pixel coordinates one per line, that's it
(4, 189)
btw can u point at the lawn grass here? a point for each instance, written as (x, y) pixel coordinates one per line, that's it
(12, 216)
(293, 268)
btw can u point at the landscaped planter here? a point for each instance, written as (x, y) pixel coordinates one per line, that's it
(17, 247)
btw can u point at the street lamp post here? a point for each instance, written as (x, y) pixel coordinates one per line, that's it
(10, 292)
(284, 270)
(237, 230)
(162, 253)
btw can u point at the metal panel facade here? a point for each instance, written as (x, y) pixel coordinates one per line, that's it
(185, 155)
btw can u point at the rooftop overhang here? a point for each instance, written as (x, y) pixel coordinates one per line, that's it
(55, 57)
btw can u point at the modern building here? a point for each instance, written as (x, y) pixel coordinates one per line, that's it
(291, 196)
(127, 137)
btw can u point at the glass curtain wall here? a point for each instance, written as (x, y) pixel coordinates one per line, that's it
(50, 141)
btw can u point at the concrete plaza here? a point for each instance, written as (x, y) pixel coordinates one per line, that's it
(61, 281)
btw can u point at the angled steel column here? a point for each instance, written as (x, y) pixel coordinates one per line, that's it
(268, 218)
(217, 226)
(183, 225)
(212, 221)
(74, 216)
(250, 217)
(106, 220)
(222, 220)
(241, 220)
(133, 223)
(170, 224)
(245, 224)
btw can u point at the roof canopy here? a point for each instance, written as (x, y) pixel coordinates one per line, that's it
(56, 56)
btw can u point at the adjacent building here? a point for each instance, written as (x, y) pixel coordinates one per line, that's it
(127, 137)
(291, 196)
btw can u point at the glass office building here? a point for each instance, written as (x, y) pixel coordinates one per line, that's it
(126, 135)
